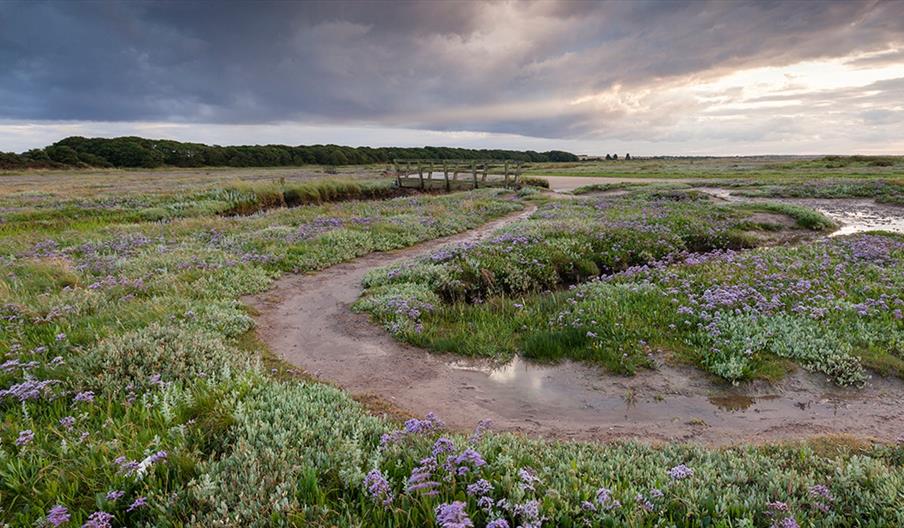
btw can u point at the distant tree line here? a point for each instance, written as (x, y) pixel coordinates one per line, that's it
(132, 151)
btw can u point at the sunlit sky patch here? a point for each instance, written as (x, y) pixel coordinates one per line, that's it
(647, 77)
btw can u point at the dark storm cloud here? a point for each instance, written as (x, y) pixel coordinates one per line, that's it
(421, 64)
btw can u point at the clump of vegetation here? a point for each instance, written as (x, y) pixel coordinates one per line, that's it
(567, 242)
(736, 314)
(533, 181)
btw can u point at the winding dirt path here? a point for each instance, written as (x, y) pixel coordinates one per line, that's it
(307, 320)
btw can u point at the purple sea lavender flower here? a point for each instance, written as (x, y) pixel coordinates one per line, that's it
(482, 427)
(453, 516)
(422, 477)
(528, 479)
(442, 445)
(465, 461)
(529, 512)
(378, 487)
(498, 523)
(680, 472)
(25, 437)
(821, 491)
(604, 499)
(67, 422)
(787, 522)
(27, 390)
(480, 488)
(57, 515)
(115, 495)
(84, 397)
(99, 519)
(140, 502)
(156, 457)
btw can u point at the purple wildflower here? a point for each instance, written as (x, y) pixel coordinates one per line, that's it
(421, 477)
(453, 516)
(821, 491)
(57, 515)
(787, 522)
(480, 488)
(528, 479)
(25, 437)
(460, 463)
(482, 427)
(27, 390)
(529, 512)
(140, 502)
(99, 519)
(84, 397)
(604, 499)
(378, 487)
(442, 445)
(498, 523)
(156, 457)
(680, 472)
(115, 495)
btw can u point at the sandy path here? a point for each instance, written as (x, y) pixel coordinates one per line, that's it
(306, 320)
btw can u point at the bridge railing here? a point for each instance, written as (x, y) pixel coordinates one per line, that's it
(457, 173)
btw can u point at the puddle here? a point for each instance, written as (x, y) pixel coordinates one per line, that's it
(854, 215)
(679, 402)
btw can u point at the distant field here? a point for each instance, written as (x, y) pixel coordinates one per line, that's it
(730, 167)
(105, 182)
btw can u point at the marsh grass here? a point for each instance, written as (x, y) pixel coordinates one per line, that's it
(737, 315)
(132, 294)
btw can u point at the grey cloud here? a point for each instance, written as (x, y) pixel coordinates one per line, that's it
(396, 63)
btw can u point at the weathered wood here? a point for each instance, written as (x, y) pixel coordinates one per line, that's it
(419, 173)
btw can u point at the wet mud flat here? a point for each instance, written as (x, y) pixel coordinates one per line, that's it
(854, 215)
(307, 321)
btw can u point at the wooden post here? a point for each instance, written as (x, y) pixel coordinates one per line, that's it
(474, 170)
(505, 178)
(420, 174)
(446, 175)
(486, 171)
(398, 176)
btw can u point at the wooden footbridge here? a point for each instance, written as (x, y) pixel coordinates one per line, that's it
(457, 174)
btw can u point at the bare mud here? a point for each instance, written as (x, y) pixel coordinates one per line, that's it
(307, 321)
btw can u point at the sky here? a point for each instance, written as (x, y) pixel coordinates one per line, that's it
(658, 77)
